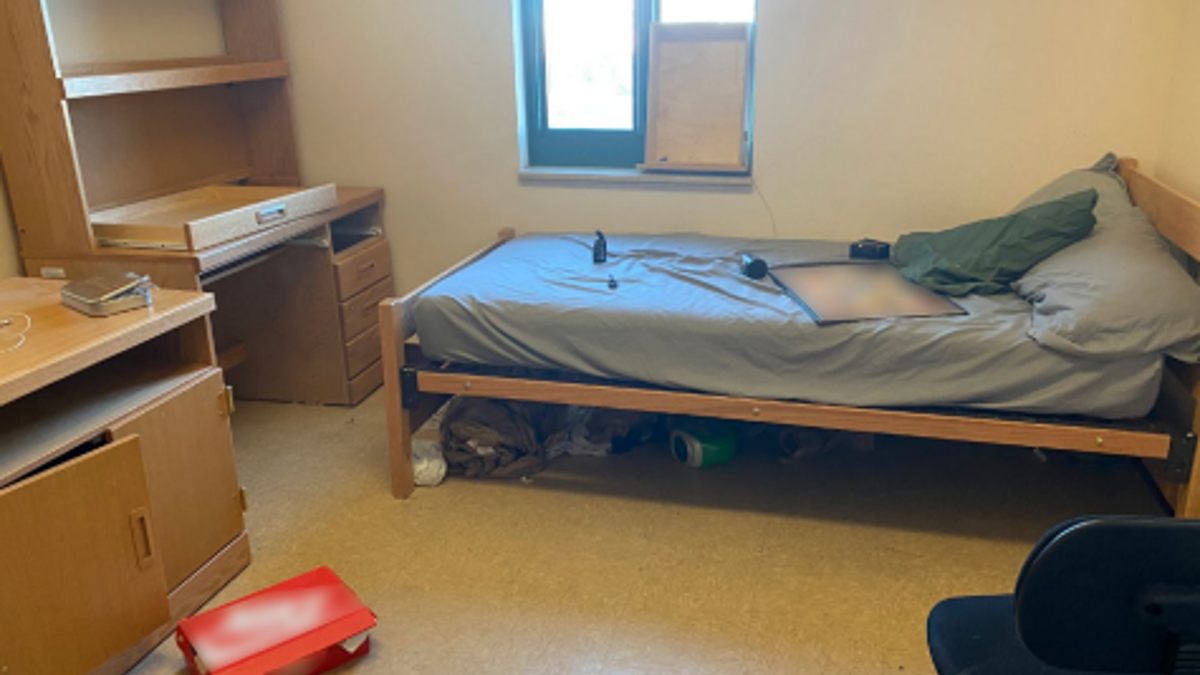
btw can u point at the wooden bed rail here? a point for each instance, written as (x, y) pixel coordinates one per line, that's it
(996, 430)
(1175, 215)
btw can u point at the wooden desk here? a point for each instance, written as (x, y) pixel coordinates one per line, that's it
(292, 299)
(120, 510)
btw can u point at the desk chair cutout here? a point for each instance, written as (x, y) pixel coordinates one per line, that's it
(1111, 595)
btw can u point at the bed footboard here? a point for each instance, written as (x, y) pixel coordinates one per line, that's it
(1177, 218)
(396, 326)
(399, 419)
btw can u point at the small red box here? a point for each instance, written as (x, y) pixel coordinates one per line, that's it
(304, 626)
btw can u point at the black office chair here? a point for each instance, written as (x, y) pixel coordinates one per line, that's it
(1111, 595)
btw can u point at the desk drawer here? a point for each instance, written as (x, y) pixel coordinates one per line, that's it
(362, 311)
(205, 217)
(363, 351)
(362, 266)
(367, 382)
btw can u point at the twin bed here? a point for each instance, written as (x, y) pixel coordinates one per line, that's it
(683, 332)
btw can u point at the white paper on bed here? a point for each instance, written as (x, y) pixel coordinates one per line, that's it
(840, 292)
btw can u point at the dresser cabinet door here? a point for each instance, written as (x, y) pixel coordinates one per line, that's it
(80, 576)
(194, 490)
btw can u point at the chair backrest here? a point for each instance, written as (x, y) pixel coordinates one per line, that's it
(1091, 595)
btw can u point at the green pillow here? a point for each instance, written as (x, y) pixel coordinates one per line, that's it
(987, 256)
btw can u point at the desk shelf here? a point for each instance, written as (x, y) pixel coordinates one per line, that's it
(116, 80)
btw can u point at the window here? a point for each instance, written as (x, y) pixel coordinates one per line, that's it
(585, 70)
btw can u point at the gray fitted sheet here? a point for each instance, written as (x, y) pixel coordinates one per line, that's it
(684, 317)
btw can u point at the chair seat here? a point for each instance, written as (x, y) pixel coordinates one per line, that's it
(978, 636)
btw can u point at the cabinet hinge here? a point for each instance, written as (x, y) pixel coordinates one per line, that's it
(245, 500)
(226, 402)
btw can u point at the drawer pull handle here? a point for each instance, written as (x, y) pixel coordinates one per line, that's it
(366, 269)
(369, 310)
(272, 214)
(143, 538)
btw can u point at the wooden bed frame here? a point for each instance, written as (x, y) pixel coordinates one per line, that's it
(415, 388)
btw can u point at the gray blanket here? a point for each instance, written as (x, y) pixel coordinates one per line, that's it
(683, 317)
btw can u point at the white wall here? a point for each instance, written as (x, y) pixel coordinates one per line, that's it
(875, 117)
(1180, 163)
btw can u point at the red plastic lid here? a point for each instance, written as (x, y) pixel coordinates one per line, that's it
(277, 626)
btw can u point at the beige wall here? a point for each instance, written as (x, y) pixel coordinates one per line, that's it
(1180, 161)
(874, 116)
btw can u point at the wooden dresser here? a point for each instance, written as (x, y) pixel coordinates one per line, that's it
(120, 508)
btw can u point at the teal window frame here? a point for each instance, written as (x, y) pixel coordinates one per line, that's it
(581, 147)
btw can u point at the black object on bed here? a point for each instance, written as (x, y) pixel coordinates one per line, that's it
(600, 248)
(754, 268)
(870, 249)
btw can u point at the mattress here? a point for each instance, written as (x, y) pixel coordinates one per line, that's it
(682, 316)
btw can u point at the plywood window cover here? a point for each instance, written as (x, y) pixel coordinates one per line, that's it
(697, 117)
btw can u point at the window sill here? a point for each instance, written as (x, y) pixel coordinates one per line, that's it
(601, 176)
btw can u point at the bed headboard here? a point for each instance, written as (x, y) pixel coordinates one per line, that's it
(1176, 215)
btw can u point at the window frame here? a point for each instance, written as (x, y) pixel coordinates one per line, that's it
(546, 147)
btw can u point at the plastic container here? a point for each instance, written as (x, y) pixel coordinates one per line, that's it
(701, 445)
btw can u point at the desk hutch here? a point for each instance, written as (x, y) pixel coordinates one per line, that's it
(84, 144)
